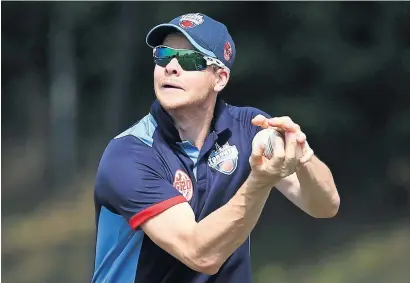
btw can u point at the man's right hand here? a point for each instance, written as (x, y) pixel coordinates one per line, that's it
(267, 172)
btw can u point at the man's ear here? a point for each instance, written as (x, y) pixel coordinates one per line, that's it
(222, 78)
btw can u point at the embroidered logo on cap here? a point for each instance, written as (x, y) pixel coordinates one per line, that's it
(224, 159)
(191, 20)
(183, 184)
(227, 51)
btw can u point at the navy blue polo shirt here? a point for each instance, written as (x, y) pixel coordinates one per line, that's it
(148, 169)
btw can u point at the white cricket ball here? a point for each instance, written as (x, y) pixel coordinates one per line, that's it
(271, 138)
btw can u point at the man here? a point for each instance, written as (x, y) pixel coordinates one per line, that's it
(178, 193)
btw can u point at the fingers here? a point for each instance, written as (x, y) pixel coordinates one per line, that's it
(288, 154)
(300, 137)
(260, 121)
(281, 122)
(286, 157)
(285, 123)
(307, 153)
(276, 162)
(290, 162)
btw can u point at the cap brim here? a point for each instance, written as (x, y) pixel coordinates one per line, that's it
(157, 35)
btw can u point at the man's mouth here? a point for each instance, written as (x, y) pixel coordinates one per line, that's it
(171, 86)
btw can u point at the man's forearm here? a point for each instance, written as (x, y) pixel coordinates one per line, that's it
(223, 231)
(318, 189)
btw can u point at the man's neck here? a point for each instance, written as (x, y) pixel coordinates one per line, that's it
(194, 123)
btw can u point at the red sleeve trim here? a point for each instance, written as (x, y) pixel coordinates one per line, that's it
(156, 209)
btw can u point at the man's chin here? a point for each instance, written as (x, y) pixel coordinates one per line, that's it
(175, 106)
(175, 103)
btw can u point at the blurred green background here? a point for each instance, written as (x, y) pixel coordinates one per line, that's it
(75, 74)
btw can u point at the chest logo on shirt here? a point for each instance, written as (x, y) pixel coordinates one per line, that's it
(224, 158)
(183, 184)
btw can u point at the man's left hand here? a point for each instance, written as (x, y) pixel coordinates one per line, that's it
(286, 126)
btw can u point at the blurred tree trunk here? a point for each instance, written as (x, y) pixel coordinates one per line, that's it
(121, 62)
(63, 93)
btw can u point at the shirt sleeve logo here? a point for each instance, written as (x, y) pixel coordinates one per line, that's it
(224, 159)
(183, 184)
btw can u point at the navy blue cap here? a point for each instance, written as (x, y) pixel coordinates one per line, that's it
(204, 33)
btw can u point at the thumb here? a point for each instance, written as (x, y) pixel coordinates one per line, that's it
(257, 153)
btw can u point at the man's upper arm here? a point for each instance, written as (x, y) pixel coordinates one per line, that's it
(131, 182)
(173, 231)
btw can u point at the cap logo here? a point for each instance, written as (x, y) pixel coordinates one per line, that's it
(191, 20)
(183, 184)
(227, 51)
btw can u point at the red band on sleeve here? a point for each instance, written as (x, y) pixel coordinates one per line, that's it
(156, 209)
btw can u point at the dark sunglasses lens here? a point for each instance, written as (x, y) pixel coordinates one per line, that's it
(163, 56)
(192, 62)
(162, 62)
(188, 60)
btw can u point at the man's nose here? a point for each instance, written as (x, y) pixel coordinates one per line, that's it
(173, 67)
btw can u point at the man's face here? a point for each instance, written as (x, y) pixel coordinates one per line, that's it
(192, 87)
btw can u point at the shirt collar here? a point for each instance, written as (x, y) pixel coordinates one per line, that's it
(221, 121)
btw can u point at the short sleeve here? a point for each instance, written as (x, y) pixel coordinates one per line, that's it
(131, 181)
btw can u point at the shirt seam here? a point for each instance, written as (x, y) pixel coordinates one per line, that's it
(242, 123)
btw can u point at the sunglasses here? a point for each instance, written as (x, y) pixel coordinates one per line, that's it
(189, 60)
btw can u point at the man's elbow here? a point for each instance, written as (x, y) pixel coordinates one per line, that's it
(209, 268)
(328, 211)
(334, 206)
(204, 264)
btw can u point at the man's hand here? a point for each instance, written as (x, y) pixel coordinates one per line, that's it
(319, 197)
(292, 133)
(284, 160)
